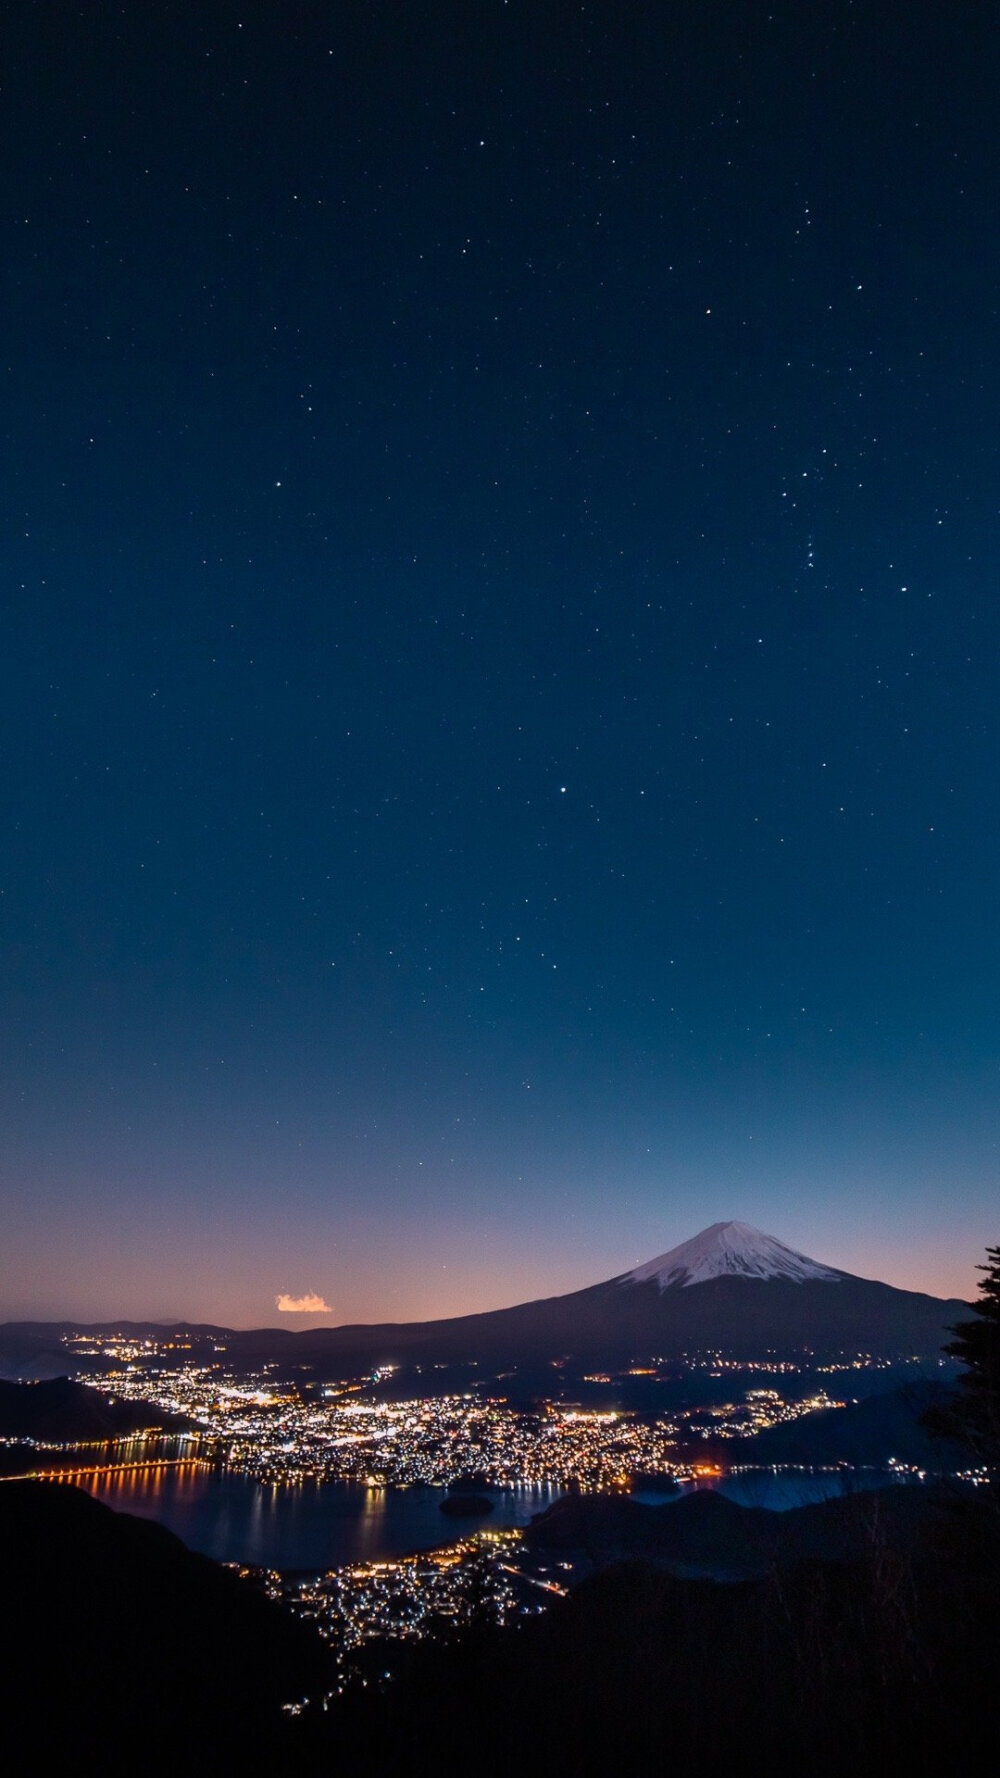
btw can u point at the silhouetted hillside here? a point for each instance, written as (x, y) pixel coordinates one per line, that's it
(64, 1411)
(122, 1646)
(882, 1664)
(710, 1535)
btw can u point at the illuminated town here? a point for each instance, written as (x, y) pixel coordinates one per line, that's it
(263, 1426)
(364, 1609)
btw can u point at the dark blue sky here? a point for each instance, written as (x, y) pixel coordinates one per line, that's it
(499, 673)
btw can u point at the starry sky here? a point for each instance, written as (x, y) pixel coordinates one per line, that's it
(500, 642)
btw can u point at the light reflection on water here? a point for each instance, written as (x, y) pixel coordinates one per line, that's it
(311, 1525)
(778, 1490)
(315, 1525)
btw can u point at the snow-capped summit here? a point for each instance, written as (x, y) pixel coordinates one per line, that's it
(728, 1249)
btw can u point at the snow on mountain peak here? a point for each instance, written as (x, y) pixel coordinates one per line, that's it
(728, 1249)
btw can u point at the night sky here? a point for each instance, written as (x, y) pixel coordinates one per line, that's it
(499, 668)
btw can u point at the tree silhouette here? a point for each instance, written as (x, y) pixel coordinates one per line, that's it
(975, 1419)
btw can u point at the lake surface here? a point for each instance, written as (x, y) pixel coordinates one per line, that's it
(316, 1525)
(781, 1489)
(319, 1525)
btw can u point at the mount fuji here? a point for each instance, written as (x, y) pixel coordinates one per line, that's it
(728, 1249)
(731, 1290)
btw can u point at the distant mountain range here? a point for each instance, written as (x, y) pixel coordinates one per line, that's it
(732, 1290)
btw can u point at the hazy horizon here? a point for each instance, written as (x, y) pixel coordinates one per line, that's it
(443, 1306)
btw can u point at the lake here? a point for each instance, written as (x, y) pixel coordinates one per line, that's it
(314, 1525)
(320, 1525)
(781, 1489)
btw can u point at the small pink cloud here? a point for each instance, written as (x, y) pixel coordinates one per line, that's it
(310, 1304)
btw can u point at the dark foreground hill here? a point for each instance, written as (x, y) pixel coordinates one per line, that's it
(866, 1642)
(882, 1664)
(708, 1535)
(126, 1652)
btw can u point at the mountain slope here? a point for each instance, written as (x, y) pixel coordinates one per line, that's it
(732, 1289)
(742, 1318)
(121, 1639)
